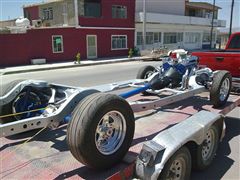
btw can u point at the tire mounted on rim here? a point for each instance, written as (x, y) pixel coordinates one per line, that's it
(221, 87)
(178, 167)
(101, 130)
(207, 150)
(145, 72)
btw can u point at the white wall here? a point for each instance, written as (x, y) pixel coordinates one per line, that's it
(174, 28)
(178, 19)
(176, 7)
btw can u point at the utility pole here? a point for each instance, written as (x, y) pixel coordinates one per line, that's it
(231, 19)
(211, 38)
(144, 25)
(76, 12)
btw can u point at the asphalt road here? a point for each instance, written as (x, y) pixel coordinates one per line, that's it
(225, 165)
(84, 76)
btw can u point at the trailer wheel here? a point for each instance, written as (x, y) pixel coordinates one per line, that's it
(207, 150)
(221, 87)
(101, 130)
(178, 166)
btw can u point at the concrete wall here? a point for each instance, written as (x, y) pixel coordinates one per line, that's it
(58, 13)
(19, 49)
(4, 24)
(174, 28)
(177, 19)
(176, 7)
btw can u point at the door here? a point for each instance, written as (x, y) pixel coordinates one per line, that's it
(91, 46)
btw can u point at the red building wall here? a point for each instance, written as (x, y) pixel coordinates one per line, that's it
(19, 49)
(106, 19)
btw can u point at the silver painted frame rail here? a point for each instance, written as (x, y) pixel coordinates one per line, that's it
(76, 94)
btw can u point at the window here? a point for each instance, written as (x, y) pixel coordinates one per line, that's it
(149, 37)
(119, 42)
(48, 13)
(57, 44)
(139, 38)
(119, 12)
(92, 9)
(172, 38)
(235, 42)
(157, 37)
(207, 37)
(179, 37)
(192, 37)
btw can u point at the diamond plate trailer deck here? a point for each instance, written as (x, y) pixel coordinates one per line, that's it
(47, 155)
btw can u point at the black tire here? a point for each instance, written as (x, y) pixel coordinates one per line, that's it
(7, 109)
(144, 72)
(82, 130)
(207, 150)
(216, 97)
(181, 156)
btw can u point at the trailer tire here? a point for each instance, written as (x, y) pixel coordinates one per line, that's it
(144, 73)
(178, 166)
(97, 121)
(221, 87)
(207, 150)
(7, 109)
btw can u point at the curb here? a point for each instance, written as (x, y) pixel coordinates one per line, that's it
(68, 66)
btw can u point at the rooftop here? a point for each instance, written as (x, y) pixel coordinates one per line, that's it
(42, 3)
(202, 5)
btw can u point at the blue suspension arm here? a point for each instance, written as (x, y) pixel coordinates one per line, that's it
(135, 91)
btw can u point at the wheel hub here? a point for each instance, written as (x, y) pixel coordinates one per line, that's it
(110, 132)
(148, 74)
(224, 89)
(176, 170)
(208, 145)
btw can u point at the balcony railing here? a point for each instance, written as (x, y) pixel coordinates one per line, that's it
(176, 19)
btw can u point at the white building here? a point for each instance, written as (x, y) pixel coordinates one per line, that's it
(176, 24)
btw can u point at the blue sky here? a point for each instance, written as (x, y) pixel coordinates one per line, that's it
(10, 9)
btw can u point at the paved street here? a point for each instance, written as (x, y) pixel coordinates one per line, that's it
(84, 76)
(225, 166)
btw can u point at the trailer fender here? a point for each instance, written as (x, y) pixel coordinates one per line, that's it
(156, 152)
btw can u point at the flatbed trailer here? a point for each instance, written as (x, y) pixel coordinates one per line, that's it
(46, 156)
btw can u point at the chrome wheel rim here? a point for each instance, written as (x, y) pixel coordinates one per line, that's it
(224, 90)
(148, 74)
(110, 132)
(177, 169)
(208, 145)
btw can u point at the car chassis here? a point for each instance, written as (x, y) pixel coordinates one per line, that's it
(52, 117)
(64, 105)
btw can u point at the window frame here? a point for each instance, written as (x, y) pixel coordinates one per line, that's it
(178, 38)
(139, 38)
(126, 38)
(47, 13)
(53, 49)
